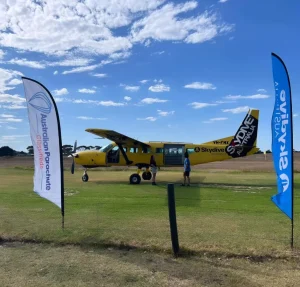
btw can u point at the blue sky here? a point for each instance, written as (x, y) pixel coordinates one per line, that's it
(153, 69)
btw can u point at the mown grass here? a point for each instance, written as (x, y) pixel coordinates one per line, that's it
(118, 234)
(220, 212)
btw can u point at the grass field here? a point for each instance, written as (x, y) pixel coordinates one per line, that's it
(230, 232)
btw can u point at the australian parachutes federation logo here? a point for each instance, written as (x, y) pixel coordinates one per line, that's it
(41, 102)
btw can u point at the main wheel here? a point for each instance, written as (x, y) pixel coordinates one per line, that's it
(146, 175)
(85, 178)
(135, 178)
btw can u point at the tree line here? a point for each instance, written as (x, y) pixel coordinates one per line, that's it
(66, 149)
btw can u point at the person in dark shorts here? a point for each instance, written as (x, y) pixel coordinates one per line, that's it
(186, 169)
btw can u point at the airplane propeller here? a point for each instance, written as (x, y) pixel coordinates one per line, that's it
(72, 155)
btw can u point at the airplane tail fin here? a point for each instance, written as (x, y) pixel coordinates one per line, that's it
(244, 141)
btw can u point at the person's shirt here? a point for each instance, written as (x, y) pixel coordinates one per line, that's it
(187, 166)
(152, 162)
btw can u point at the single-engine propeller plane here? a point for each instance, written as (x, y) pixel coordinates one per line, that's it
(126, 151)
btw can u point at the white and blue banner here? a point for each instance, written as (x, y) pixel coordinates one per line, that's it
(282, 138)
(46, 140)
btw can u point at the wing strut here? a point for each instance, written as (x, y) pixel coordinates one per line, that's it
(128, 162)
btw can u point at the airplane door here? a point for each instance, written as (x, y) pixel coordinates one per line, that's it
(173, 154)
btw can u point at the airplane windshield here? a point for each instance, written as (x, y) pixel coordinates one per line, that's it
(106, 148)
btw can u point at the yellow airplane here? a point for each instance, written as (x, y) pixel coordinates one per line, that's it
(126, 151)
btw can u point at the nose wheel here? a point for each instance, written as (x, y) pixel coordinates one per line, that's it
(135, 178)
(85, 177)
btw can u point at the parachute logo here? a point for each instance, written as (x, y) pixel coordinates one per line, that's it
(41, 102)
(285, 181)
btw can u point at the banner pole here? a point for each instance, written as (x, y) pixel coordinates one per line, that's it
(41, 105)
(282, 141)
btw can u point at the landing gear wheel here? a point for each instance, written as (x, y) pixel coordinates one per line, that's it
(135, 178)
(147, 175)
(85, 178)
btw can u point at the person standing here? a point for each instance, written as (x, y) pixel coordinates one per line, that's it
(153, 169)
(186, 169)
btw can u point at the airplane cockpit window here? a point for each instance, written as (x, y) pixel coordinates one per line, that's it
(106, 148)
(159, 150)
(190, 150)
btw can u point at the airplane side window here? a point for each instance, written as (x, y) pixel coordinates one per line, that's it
(159, 150)
(133, 150)
(190, 150)
(146, 150)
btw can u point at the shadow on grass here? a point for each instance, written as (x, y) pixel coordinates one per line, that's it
(184, 252)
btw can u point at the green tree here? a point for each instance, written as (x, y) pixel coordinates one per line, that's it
(30, 149)
(67, 149)
(7, 151)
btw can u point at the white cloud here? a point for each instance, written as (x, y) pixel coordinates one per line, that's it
(257, 96)
(91, 118)
(223, 1)
(13, 120)
(218, 119)
(15, 82)
(144, 81)
(27, 63)
(151, 119)
(86, 91)
(99, 103)
(158, 53)
(12, 137)
(237, 110)
(2, 53)
(159, 88)
(80, 69)
(224, 102)
(197, 105)
(152, 101)
(126, 98)
(100, 75)
(110, 103)
(71, 62)
(261, 91)
(11, 99)
(6, 76)
(214, 120)
(60, 100)
(168, 23)
(61, 92)
(13, 107)
(200, 86)
(88, 29)
(5, 118)
(11, 128)
(132, 88)
(295, 115)
(55, 73)
(164, 114)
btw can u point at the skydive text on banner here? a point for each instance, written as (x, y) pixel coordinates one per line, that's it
(46, 141)
(282, 138)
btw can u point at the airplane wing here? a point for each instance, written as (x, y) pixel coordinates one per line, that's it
(117, 137)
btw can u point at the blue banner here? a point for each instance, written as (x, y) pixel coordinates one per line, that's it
(282, 138)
